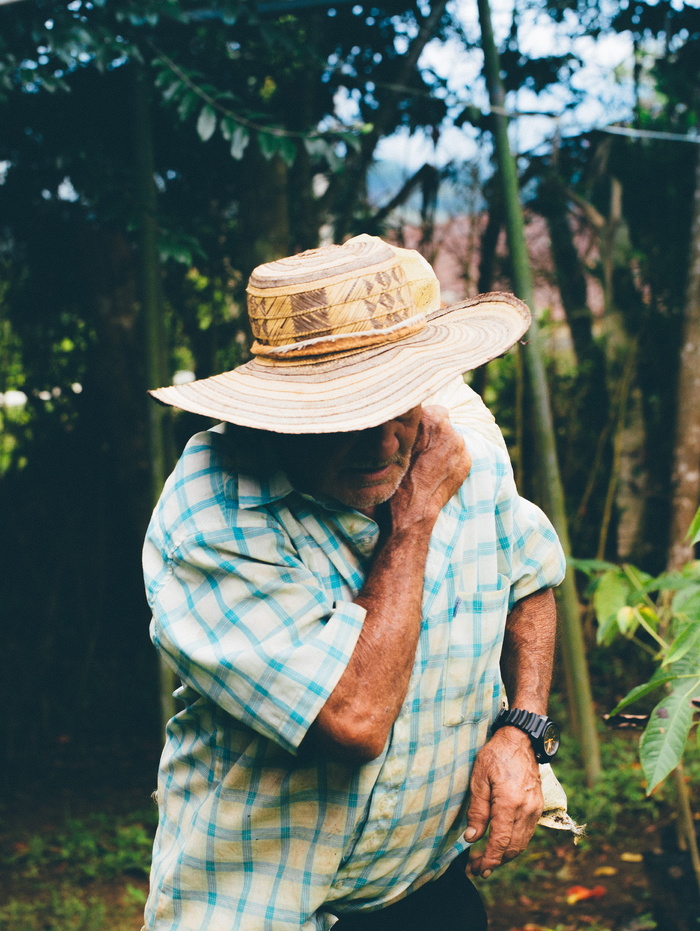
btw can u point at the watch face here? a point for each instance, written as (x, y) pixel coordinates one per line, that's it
(550, 739)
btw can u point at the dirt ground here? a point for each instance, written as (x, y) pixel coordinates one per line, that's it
(600, 885)
(600, 888)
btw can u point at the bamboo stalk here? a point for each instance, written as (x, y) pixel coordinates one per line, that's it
(572, 643)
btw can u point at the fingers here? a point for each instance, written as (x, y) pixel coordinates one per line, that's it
(506, 790)
(441, 448)
(479, 802)
(438, 467)
(509, 834)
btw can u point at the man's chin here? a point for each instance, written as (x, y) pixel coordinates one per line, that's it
(370, 498)
(371, 495)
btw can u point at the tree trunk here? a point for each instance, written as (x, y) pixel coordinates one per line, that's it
(490, 236)
(156, 350)
(264, 211)
(623, 308)
(263, 232)
(575, 666)
(571, 281)
(685, 482)
(587, 408)
(686, 455)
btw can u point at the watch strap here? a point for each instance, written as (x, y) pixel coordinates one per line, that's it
(527, 721)
(534, 725)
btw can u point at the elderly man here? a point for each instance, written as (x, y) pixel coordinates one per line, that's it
(344, 578)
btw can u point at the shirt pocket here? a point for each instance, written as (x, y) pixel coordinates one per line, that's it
(472, 679)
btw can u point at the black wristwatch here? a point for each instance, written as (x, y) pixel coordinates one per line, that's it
(541, 730)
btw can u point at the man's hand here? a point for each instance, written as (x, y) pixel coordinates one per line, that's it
(439, 465)
(505, 791)
(505, 784)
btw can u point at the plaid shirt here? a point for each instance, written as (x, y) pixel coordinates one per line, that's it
(251, 585)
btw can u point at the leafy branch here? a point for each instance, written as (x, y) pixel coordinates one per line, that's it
(662, 616)
(237, 129)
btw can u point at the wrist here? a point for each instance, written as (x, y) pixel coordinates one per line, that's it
(539, 729)
(412, 529)
(515, 738)
(538, 707)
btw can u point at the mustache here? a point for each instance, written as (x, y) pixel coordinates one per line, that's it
(364, 465)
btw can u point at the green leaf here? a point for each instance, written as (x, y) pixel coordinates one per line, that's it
(206, 124)
(268, 144)
(318, 147)
(687, 601)
(670, 581)
(273, 144)
(590, 566)
(189, 102)
(687, 642)
(163, 76)
(610, 595)
(314, 145)
(607, 631)
(694, 529)
(352, 140)
(640, 691)
(172, 90)
(228, 128)
(627, 620)
(287, 150)
(239, 140)
(637, 577)
(665, 736)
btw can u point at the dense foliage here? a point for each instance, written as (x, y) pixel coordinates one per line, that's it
(661, 615)
(264, 119)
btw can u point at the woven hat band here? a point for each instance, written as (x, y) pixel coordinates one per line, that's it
(339, 343)
(339, 298)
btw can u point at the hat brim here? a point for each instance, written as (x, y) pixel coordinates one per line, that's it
(358, 390)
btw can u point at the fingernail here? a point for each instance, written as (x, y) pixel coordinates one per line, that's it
(486, 874)
(469, 833)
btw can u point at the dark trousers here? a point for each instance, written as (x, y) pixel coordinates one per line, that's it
(450, 903)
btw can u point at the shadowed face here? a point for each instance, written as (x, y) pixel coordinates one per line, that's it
(360, 469)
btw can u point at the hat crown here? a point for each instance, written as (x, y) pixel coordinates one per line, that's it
(339, 298)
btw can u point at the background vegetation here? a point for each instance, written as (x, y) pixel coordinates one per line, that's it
(152, 153)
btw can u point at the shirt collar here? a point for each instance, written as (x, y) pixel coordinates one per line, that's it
(254, 491)
(257, 492)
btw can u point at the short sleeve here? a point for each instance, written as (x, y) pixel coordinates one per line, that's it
(246, 624)
(528, 544)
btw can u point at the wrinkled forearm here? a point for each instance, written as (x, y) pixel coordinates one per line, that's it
(355, 721)
(528, 651)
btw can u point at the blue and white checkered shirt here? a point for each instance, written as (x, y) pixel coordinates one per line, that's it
(251, 585)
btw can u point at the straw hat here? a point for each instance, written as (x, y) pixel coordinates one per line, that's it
(348, 337)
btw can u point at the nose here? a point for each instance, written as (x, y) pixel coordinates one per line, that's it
(382, 442)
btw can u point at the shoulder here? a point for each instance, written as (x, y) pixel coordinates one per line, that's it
(200, 484)
(205, 493)
(489, 458)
